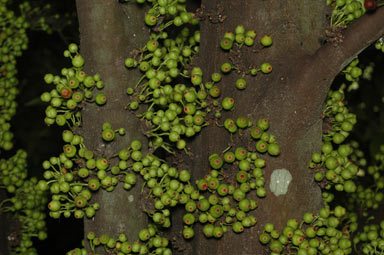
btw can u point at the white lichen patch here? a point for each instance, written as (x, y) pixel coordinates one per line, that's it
(279, 182)
(130, 198)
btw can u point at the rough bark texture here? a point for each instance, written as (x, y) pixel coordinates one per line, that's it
(320, 69)
(296, 28)
(108, 32)
(291, 97)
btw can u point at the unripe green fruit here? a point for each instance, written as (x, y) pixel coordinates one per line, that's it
(261, 192)
(331, 163)
(196, 79)
(293, 223)
(107, 125)
(256, 132)
(269, 227)
(242, 176)
(274, 149)
(254, 71)
(229, 157)
(184, 176)
(226, 67)
(213, 183)
(228, 103)
(73, 82)
(237, 227)
(69, 150)
(263, 123)
(339, 211)
(216, 162)
(229, 35)
(77, 61)
(245, 205)
(349, 186)
(100, 99)
(244, 165)
(276, 246)
(190, 206)
(203, 218)
(251, 33)
(257, 172)
(218, 232)
(316, 157)
(102, 164)
(249, 41)
(216, 77)
(265, 137)
(150, 20)
(242, 122)
(241, 153)
(77, 97)
(93, 184)
(308, 217)
(226, 43)
(288, 232)
(214, 91)
(228, 123)
(262, 146)
(264, 238)
(239, 29)
(241, 84)
(203, 205)
(189, 219)
(338, 138)
(344, 150)
(54, 205)
(238, 195)
(188, 233)
(42, 185)
(80, 201)
(275, 234)
(45, 97)
(222, 190)
(216, 211)
(48, 78)
(208, 230)
(297, 239)
(239, 38)
(130, 62)
(266, 68)
(266, 40)
(260, 163)
(326, 148)
(319, 176)
(108, 134)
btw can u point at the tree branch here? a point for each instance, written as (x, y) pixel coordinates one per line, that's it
(356, 38)
(312, 82)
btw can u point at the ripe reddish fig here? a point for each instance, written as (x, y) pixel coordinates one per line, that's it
(370, 5)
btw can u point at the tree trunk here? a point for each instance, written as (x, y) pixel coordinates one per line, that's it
(108, 32)
(291, 97)
(296, 28)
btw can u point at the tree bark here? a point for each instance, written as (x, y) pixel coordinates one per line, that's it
(108, 32)
(296, 28)
(291, 97)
